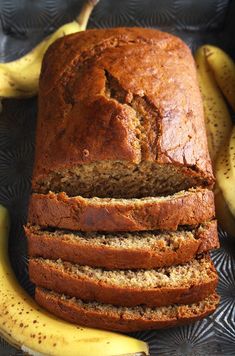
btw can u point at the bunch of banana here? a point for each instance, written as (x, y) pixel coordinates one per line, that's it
(26, 326)
(19, 78)
(216, 74)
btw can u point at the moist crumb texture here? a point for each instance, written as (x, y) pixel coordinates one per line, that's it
(161, 241)
(194, 272)
(127, 250)
(141, 311)
(119, 180)
(180, 284)
(137, 129)
(153, 240)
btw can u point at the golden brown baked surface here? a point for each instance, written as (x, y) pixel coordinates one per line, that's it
(124, 319)
(124, 97)
(123, 250)
(77, 213)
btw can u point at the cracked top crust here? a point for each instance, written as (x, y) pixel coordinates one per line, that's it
(125, 94)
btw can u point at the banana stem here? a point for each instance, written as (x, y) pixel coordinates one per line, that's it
(83, 17)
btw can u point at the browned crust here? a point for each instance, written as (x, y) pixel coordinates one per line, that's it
(147, 63)
(77, 213)
(88, 289)
(46, 246)
(74, 313)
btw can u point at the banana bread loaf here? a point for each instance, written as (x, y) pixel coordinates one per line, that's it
(102, 214)
(180, 284)
(123, 319)
(123, 250)
(121, 147)
(120, 115)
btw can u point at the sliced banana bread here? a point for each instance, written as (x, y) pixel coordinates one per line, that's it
(181, 284)
(123, 250)
(96, 214)
(120, 115)
(123, 319)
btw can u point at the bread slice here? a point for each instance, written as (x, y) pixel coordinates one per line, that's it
(110, 317)
(120, 115)
(96, 214)
(181, 284)
(123, 250)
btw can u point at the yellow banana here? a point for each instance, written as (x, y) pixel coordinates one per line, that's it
(19, 78)
(232, 152)
(217, 117)
(223, 214)
(225, 173)
(223, 69)
(25, 325)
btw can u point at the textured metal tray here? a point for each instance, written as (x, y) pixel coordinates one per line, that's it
(23, 24)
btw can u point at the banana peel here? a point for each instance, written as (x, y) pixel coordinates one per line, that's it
(223, 214)
(225, 175)
(217, 117)
(211, 76)
(27, 326)
(232, 152)
(19, 78)
(223, 69)
(225, 172)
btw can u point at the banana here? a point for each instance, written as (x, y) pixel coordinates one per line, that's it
(20, 78)
(225, 173)
(232, 152)
(25, 325)
(217, 117)
(223, 214)
(223, 69)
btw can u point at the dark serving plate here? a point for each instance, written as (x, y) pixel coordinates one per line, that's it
(23, 24)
